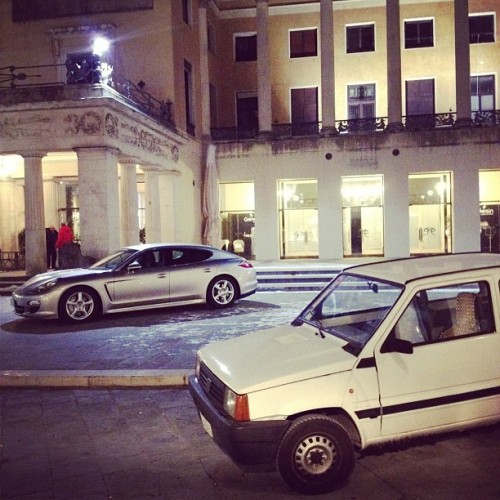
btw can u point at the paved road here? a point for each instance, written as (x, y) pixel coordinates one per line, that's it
(148, 443)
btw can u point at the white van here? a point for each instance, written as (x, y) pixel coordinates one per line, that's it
(386, 351)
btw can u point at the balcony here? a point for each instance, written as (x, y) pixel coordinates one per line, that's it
(357, 126)
(25, 84)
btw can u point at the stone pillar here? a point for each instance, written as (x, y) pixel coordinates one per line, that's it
(263, 68)
(34, 219)
(462, 63)
(152, 203)
(327, 69)
(167, 208)
(394, 98)
(99, 200)
(204, 75)
(129, 204)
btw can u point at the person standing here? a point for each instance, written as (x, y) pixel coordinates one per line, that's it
(51, 238)
(64, 237)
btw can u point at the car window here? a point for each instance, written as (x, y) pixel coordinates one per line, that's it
(447, 312)
(180, 256)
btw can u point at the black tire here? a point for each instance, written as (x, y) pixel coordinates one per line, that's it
(316, 455)
(222, 292)
(79, 304)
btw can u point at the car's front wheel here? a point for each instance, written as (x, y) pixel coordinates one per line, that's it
(79, 304)
(222, 292)
(315, 455)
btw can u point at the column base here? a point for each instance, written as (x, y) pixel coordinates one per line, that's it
(394, 127)
(328, 131)
(463, 123)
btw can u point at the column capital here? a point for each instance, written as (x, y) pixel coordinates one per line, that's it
(128, 160)
(32, 154)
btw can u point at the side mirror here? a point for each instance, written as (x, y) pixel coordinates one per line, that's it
(392, 344)
(133, 266)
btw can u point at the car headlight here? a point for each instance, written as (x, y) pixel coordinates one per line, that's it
(236, 405)
(46, 285)
(197, 367)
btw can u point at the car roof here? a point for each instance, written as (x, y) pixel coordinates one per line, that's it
(409, 269)
(146, 246)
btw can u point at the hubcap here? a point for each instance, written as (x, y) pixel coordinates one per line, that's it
(79, 306)
(223, 292)
(315, 455)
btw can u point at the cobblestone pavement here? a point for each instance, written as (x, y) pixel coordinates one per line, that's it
(148, 443)
(143, 444)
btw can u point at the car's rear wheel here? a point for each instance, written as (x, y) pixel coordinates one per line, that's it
(222, 292)
(315, 455)
(79, 304)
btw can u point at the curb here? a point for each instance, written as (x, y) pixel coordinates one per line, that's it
(91, 379)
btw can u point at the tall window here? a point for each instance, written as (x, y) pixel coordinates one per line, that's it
(489, 199)
(247, 107)
(298, 217)
(430, 213)
(213, 105)
(481, 28)
(420, 104)
(186, 11)
(245, 47)
(361, 107)
(189, 97)
(363, 215)
(482, 91)
(419, 33)
(304, 43)
(237, 205)
(211, 37)
(304, 111)
(360, 38)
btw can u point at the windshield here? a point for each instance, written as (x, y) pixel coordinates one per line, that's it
(114, 260)
(352, 308)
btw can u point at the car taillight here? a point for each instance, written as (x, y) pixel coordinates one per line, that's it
(245, 264)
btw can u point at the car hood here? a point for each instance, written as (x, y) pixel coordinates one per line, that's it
(276, 356)
(77, 274)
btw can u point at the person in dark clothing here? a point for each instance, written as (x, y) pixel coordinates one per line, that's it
(51, 238)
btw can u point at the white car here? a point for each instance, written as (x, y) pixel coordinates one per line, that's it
(386, 351)
(138, 277)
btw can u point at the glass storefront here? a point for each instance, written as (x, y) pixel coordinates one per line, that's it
(298, 218)
(430, 213)
(363, 215)
(237, 206)
(489, 199)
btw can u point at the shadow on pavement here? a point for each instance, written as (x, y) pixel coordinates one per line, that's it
(145, 318)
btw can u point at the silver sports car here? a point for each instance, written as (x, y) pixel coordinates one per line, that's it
(138, 277)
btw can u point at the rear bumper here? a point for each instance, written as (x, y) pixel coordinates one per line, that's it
(251, 445)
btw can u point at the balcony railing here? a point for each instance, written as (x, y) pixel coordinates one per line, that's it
(357, 126)
(22, 77)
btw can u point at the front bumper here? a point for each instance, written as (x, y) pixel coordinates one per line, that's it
(251, 445)
(33, 306)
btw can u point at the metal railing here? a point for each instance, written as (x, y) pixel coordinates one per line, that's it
(410, 123)
(19, 77)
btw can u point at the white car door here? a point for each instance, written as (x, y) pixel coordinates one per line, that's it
(453, 374)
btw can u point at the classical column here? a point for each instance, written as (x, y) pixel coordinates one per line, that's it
(462, 63)
(204, 75)
(34, 219)
(263, 68)
(394, 100)
(129, 205)
(168, 227)
(152, 202)
(327, 69)
(99, 200)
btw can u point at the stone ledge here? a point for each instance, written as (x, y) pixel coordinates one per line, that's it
(90, 379)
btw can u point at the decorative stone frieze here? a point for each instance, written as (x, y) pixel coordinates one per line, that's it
(27, 126)
(89, 123)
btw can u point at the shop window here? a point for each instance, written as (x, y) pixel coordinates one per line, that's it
(419, 33)
(298, 218)
(363, 215)
(304, 43)
(360, 38)
(237, 211)
(430, 213)
(245, 47)
(489, 210)
(481, 28)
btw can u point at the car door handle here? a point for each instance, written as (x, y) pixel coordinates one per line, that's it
(162, 275)
(207, 270)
